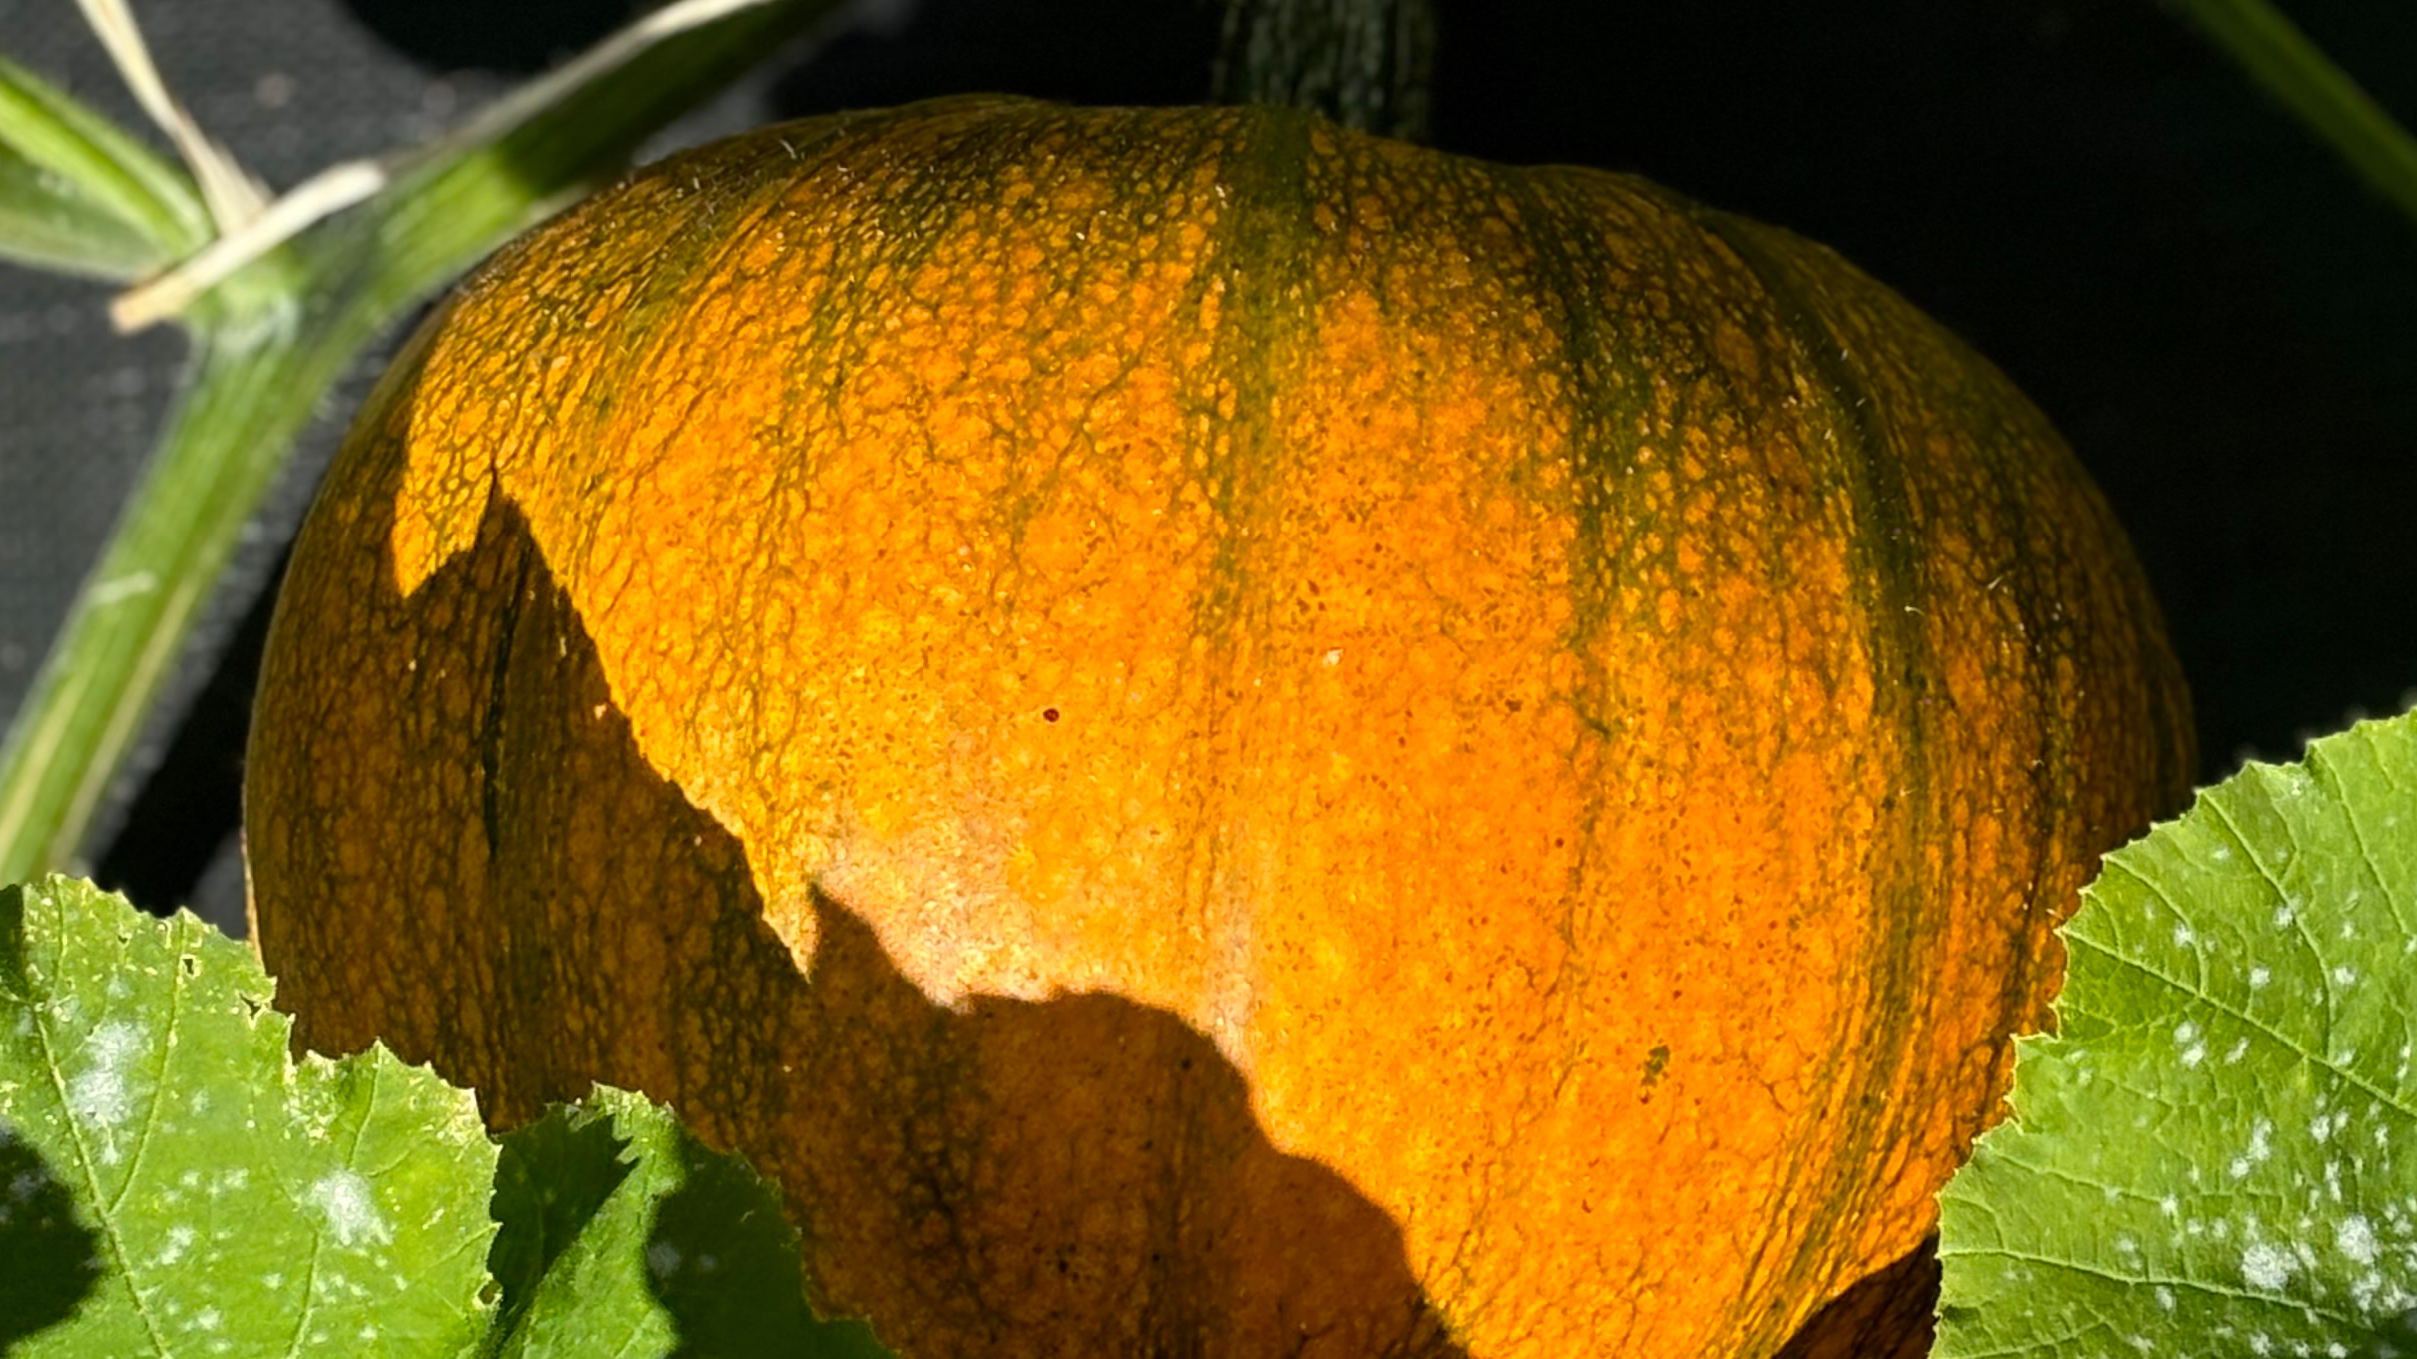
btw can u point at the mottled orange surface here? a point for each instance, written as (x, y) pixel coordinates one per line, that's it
(1213, 736)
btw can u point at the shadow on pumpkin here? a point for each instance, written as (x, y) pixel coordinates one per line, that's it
(1077, 1176)
(1888, 1314)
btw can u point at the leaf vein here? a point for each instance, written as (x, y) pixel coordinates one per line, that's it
(2349, 1077)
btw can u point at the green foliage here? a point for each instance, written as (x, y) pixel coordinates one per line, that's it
(79, 196)
(2217, 1153)
(271, 337)
(176, 1184)
(625, 1235)
(2328, 104)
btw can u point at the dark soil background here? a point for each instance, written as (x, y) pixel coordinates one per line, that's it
(2220, 318)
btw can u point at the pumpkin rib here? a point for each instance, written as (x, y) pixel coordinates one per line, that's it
(1248, 266)
(1889, 571)
(1343, 176)
(1591, 314)
(1727, 231)
(2034, 586)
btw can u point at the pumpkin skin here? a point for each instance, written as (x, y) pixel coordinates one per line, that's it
(1213, 736)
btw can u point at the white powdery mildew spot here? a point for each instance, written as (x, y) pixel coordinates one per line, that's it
(2355, 1238)
(98, 1095)
(2266, 1267)
(180, 1239)
(2259, 976)
(662, 1259)
(344, 1197)
(2186, 1037)
(2260, 1148)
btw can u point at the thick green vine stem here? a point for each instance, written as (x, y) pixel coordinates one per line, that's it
(1367, 64)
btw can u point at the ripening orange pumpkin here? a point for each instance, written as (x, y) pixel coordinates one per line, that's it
(1214, 736)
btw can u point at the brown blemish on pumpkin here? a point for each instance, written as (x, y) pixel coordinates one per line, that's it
(840, 519)
(1656, 1062)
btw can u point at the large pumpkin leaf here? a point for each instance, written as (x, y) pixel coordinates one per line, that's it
(2217, 1153)
(625, 1235)
(225, 1199)
(173, 1183)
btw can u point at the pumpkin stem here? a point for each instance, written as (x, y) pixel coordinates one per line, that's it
(1367, 64)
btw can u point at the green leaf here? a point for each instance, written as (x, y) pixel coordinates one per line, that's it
(624, 1234)
(228, 1199)
(78, 195)
(173, 1183)
(554, 1177)
(2217, 1154)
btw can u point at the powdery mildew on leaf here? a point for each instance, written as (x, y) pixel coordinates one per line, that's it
(230, 1201)
(172, 1183)
(2217, 1154)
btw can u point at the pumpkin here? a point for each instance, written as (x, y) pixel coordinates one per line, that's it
(1210, 735)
